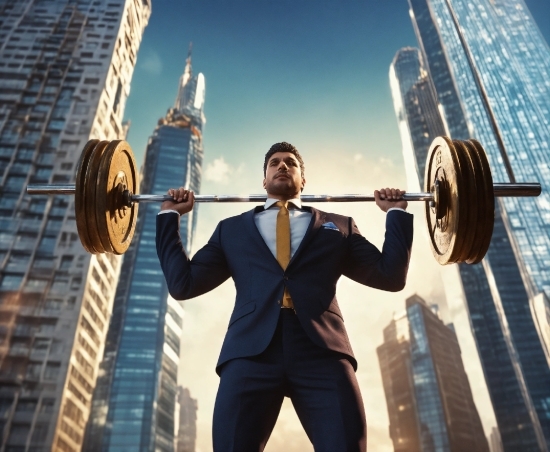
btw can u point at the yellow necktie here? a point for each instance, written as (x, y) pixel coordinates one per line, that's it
(283, 245)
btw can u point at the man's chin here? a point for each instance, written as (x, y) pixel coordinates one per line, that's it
(286, 191)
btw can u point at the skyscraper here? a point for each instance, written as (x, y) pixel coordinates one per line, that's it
(65, 71)
(417, 110)
(187, 423)
(514, 62)
(429, 399)
(499, 293)
(134, 401)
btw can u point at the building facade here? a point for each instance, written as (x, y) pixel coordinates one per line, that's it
(429, 399)
(134, 400)
(187, 422)
(65, 71)
(500, 293)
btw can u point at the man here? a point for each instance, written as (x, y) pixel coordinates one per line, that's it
(286, 336)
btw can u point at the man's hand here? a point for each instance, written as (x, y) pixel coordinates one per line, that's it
(386, 198)
(183, 203)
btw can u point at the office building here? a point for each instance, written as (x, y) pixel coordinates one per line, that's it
(500, 292)
(187, 422)
(430, 403)
(134, 401)
(417, 111)
(65, 72)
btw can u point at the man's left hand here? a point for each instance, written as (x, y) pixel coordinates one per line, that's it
(386, 198)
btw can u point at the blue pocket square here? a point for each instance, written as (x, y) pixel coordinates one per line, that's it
(330, 225)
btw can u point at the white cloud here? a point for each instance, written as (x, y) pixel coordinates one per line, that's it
(151, 63)
(219, 171)
(386, 162)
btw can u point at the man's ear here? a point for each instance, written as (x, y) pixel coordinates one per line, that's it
(263, 183)
(303, 184)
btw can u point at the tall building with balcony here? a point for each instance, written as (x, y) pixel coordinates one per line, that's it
(134, 400)
(65, 72)
(430, 403)
(500, 293)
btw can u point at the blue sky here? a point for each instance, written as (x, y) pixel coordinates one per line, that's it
(305, 71)
(301, 71)
(314, 73)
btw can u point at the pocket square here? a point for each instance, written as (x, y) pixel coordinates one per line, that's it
(330, 225)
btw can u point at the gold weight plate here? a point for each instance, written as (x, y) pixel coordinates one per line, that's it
(442, 164)
(80, 195)
(90, 182)
(487, 217)
(479, 208)
(118, 172)
(468, 207)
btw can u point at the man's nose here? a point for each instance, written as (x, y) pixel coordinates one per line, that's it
(283, 166)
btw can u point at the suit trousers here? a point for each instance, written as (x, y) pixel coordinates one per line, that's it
(320, 383)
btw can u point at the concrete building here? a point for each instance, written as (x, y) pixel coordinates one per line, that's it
(65, 71)
(186, 437)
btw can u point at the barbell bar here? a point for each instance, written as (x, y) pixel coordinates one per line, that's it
(499, 190)
(459, 196)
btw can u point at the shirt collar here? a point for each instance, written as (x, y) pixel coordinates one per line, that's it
(271, 201)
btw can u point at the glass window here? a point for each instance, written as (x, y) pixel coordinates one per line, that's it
(26, 406)
(11, 282)
(47, 405)
(52, 370)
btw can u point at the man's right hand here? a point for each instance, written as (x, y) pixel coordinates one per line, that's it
(184, 200)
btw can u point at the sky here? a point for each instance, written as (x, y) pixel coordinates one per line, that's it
(313, 73)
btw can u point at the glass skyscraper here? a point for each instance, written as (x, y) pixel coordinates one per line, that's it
(430, 403)
(134, 400)
(65, 71)
(500, 292)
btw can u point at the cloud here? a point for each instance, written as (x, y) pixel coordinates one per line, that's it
(219, 171)
(151, 63)
(386, 162)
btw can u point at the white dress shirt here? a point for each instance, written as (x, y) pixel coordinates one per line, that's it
(266, 222)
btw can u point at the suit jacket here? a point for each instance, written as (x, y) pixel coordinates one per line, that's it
(237, 250)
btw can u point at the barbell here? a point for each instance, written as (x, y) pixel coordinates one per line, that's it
(459, 195)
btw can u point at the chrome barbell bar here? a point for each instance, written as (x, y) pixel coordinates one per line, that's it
(500, 190)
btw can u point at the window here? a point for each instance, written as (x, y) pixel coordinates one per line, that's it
(40, 345)
(40, 432)
(18, 434)
(5, 406)
(35, 285)
(52, 370)
(11, 282)
(26, 406)
(33, 371)
(47, 405)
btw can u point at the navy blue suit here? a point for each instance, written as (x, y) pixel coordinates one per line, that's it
(237, 250)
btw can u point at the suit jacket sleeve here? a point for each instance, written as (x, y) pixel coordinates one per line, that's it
(386, 269)
(188, 278)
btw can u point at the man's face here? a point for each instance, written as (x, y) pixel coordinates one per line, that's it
(283, 178)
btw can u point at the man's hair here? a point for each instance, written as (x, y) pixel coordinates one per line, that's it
(284, 147)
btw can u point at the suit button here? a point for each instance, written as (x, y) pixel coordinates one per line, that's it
(286, 278)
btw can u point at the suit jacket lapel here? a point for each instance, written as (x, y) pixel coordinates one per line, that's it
(317, 219)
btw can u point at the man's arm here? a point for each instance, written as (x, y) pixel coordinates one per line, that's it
(386, 269)
(188, 278)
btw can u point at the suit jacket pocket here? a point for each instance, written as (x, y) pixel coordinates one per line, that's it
(241, 312)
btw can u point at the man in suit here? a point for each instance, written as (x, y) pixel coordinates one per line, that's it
(286, 335)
